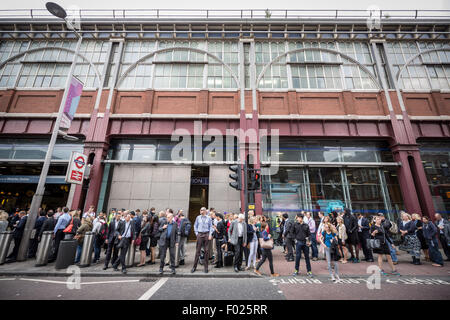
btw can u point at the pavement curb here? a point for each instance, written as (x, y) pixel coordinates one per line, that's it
(195, 275)
(129, 274)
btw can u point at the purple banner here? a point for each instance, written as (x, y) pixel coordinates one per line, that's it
(73, 98)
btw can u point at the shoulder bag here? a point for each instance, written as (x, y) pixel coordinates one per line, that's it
(69, 228)
(266, 244)
(375, 243)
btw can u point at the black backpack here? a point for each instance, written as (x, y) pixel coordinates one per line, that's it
(102, 233)
(187, 228)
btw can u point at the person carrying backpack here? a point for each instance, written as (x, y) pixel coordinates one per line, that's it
(100, 231)
(183, 234)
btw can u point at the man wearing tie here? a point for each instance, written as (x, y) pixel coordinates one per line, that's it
(126, 235)
(110, 241)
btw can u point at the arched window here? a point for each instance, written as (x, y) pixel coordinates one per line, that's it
(316, 65)
(426, 71)
(48, 68)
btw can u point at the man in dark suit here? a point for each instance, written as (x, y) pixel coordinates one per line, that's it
(110, 241)
(126, 234)
(288, 234)
(363, 235)
(48, 225)
(351, 226)
(17, 235)
(169, 231)
(219, 234)
(34, 241)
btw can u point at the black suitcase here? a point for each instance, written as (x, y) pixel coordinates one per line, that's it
(228, 258)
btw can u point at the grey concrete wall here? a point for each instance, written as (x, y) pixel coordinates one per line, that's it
(137, 186)
(221, 196)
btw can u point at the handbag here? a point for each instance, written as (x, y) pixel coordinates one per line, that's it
(266, 244)
(373, 243)
(69, 228)
(138, 241)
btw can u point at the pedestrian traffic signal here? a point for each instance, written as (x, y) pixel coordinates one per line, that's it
(255, 180)
(236, 176)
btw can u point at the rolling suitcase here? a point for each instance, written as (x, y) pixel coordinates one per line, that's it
(228, 257)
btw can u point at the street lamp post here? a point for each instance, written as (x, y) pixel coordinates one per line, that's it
(59, 12)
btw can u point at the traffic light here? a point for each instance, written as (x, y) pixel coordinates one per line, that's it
(255, 180)
(236, 176)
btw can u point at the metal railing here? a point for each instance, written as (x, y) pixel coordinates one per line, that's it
(226, 14)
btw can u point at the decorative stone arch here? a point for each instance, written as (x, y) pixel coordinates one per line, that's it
(263, 71)
(397, 78)
(134, 64)
(97, 74)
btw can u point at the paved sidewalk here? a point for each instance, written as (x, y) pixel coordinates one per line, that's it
(349, 269)
(284, 268)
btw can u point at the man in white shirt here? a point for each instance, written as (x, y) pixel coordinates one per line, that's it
(90, 212)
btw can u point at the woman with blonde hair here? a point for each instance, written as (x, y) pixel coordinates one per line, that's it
(253, 243)
(329, 239)
(411, 242)
(3, 221)
(342, 237)
(378, 232)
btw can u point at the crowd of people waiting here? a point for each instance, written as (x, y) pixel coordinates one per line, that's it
(229, 240)
(338, 237)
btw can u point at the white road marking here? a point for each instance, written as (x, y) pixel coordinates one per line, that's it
(82, 283)
(7, 279)
(42, 280)
(117, 281)
(153, 289)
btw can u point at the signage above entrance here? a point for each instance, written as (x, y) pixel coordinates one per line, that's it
(75, 170)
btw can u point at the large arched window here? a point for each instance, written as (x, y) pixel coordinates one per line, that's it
(48, 68)
(173, 67)
(427, 71)
(316, 65)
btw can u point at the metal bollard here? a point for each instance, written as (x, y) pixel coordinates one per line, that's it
(129, 258)
(44, 249)
(66, 254)
(88, 247)
(5, 242)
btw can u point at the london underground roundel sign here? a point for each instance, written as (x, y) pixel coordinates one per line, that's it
(79, 162)
(75, 170)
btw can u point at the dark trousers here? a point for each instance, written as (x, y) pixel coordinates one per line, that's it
(112, 249)
(301, 246)
(123, 254)
(58, 237)
(290, 248)
(163, 250)
(315, 251)
(219, 253)
(15, 251)
(266, 254)
(444, 245)
(33, 247)
(362, 237)
(97, 248)
(258, 252)
(433, 249)
(238, 248)
(202, 241)
(246, 252)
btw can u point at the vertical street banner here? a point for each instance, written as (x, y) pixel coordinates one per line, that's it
(72, 101)
(75, 170)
